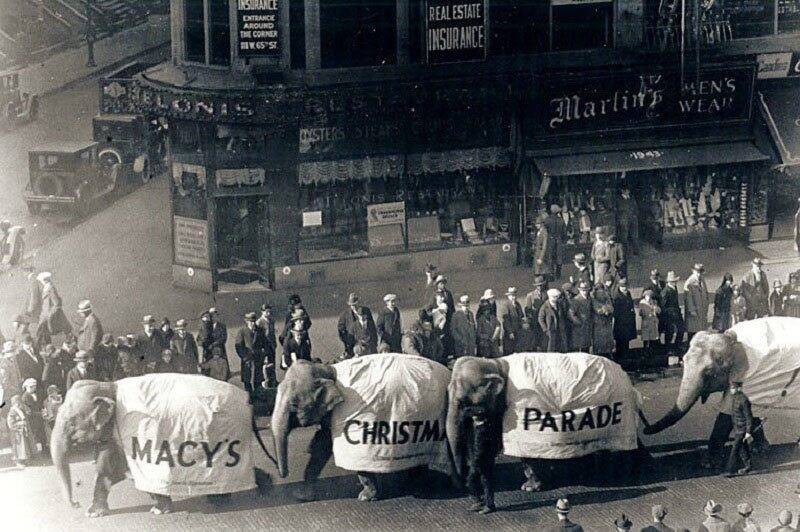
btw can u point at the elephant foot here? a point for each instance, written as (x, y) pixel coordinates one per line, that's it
(532, 485)
(487, 509)
(305, 493)
(96, 510)
(476, 506)
(368, 494)
(158, 510)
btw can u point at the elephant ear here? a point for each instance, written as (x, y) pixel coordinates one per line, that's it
(494, 383)
(327, 394)
(101, 412)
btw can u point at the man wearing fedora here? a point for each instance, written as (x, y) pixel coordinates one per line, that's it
(267, 324)
(28, 361)
(251, 349)
(294, 304)
(219, 331)
(564, 524)
(600, 253)
(91, 332)
(674, 326)
(695, 302)
(297, 344)
(745, 523)
(624, 319)
(579, 271)
(440, 289)
(657, 286)
(618, 264)
(784, 522)
(464, 330)
(755, 289)
(581, 318)
(389, 325)
(82, 370)
(659, 513)
(357, 329)
(543, 250)
(714, 521)
(533, 302)
(553, 323)
(184, 347)
(511, 321)
(150, 342)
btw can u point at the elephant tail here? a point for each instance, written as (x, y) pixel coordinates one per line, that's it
(257, 432)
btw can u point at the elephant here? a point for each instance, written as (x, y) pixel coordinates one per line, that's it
(135, 425)
(377, 414)
(763, 353)
(544, 396)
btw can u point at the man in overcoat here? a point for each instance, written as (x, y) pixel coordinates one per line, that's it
(755, 289)
(542, 250)
(184, 346)
(600, 254)
(579, 271)
(389, 324)
(674, 327)
(150, 342)
(580, 314)
(29, 362)
(511, 321)
(91, 332)
(52, 319)
(251, 343)
(624, 318)
(533, 302)
(267, 324)
(357, 329)
(553, 323)
(696, 300)
(464, 330)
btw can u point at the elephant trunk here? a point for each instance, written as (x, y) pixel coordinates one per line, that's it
(59, 446)
(454, 436)
(280, 431)
(687, 397)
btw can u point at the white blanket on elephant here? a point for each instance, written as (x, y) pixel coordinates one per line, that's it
(773, 362)
(567, 405)
(185, 435)
(393, 414)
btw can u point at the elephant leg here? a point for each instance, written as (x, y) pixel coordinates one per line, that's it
(473, 485)
(716, 441)
(320, 450)
(369, 486)
(533, 482)
(162, 504)
(111, 467)
(487, 480)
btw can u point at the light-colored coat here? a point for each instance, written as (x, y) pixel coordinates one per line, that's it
(90, 334)
(696, 300)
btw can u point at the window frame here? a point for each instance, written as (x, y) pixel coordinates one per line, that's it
(207, 38)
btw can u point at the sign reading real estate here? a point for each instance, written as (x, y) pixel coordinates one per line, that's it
(191, 242)
(258, 31)
(455, 31)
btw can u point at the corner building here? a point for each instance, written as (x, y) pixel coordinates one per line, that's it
(318, 141)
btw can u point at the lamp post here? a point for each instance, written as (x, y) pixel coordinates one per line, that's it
(89, 34)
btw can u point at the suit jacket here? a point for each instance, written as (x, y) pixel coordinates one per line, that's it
(616, 257)
(301, 349)
(90, 334)
(670, 305)
(553, 325)
(185, 351)
(389, 327)
(756, 292)
(741, 414)
(511, 318)
(464, 333)
(268, 326)
(352, 332)
(576, 275)
(30, 366)
(149, 348)
(624, 316)
(251, 345)
(581, 316)
(74, 376)
(219, 336)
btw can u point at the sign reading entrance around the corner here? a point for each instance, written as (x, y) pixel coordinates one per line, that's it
(191, 242)
(455, 31)
(258, 30)
(778, 65)
(386, 213)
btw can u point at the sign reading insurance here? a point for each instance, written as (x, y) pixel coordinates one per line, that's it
(258, 27)
(455, 31)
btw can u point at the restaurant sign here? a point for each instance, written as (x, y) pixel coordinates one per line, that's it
(643, 99)
(258, 28)
(455, 31)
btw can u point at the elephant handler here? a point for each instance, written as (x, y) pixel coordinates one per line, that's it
(742, 421)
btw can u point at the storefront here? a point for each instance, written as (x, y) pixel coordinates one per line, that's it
(686, 149)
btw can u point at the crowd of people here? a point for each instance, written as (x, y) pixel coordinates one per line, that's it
(712, 522)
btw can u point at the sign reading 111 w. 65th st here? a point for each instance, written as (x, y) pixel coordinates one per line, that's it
(258, 30)
(455, 31)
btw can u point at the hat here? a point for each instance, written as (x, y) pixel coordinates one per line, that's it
(623, 522)
(49, 349)
(81, 356)
(622, 281)
(298, 315)
(27, 382)
(785, 518)
(698, 267)
(8, 347)
(44, 276)
(440, 279)
(654, 273)
(265, 306)
(389, 297)
(148, 319)
(424, 315)
(647, 292)
(488, 294)
(107, 339)
(213, 310)
(352, 299)
(512, 291)
(608, 277)
(584, 285)
(554, 292)
(84, 305)
(294, 299)
(541, 218)
(554, 208)
(566, 287)
(659, 512)
(744, 509)
(758, 261)
(580, 258)
(777, 283)
(26, 339)
(672, 277)
(464, 299)
(539, 280)
(562, 506)
(181, 323)
(713, 508)
(601, 230)
(250, 316)
(51, 388)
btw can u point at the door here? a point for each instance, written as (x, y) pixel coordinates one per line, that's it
(242, 241)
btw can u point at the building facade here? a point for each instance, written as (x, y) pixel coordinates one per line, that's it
(318, 141)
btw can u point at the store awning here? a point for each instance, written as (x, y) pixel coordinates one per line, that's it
(781, 110)
(323, 172)
(458, 160)
(649, 159)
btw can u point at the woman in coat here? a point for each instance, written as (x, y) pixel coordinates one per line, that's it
(624, 318)
(22, 439)
(488, 330)
(603, 308)
(722, 304)
(648, 313)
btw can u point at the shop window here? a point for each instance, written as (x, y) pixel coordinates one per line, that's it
(297, 33)
(233, 144)
(185, 137)
(788, 16)
(416, 31)
(518, 27)
(358, 33)
(207, 32)
(582, 27)
(747, 18)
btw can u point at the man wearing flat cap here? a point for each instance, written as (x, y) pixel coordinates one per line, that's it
(564, 524)
(714, 521)
(357, 329)
(184, 347)
(251, 344)
(696, 301)
(739, 460)
(745, 523)
(389, 325)
(552, 322)
(91, 332)
(659, 513)
(755, 289)
(511, 321)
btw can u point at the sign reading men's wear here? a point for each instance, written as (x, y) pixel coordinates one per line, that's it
(258, 29)
(455, 31)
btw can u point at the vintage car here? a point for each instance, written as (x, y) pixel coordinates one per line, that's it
(17, 107)
(129, 145)
(66, 177)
